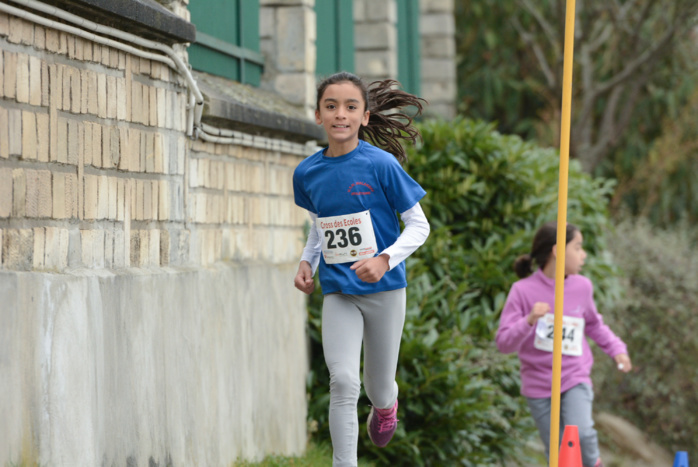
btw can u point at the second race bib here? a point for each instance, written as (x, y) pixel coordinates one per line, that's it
(347, 238)
(572, 334)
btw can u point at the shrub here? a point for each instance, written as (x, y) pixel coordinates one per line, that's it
(658, 321)
(487, 195)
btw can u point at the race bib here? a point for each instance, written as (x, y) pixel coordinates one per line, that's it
(347, 238)
(572, 334)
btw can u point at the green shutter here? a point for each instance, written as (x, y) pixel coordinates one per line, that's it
(409, 54)
(335, 36)
(227, 42)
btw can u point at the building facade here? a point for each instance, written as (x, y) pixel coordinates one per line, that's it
(148, 230)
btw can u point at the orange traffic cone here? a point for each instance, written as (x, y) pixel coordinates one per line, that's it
(570, 451)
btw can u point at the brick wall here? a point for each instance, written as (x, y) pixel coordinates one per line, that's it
(96, 170)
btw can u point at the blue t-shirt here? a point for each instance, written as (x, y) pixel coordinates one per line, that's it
(367, 178)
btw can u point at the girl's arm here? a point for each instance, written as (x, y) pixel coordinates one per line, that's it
(595, 328)
(313, 246)
(412, 237)
(514, 326)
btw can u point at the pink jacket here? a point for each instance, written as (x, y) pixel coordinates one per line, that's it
(516, 335)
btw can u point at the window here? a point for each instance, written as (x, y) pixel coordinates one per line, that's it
(335, 36)
(408, 60)
(227, 39)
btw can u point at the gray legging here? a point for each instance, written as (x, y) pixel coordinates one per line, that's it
(347, 320)
(575, 409)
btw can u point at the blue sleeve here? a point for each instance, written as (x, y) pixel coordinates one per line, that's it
(400, 189)
(299, 194)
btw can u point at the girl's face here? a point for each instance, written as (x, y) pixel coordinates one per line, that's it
(574, 255)
(342, 112)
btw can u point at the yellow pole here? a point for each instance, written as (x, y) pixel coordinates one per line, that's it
(561, 229)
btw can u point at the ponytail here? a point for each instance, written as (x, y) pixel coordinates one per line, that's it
(387, 123)
(523, 266)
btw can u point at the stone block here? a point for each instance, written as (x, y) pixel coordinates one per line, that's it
(15, 132)
(17, 249)
(375, 64)
(42, 141)
(62, 140)
(113, 193)
(74, 142)
(45, 85)
(121, 113)
(295, 50)
(437, 24)
(144, 244)
(10, 74)
(34, 81)
(91, 184)
(19, 193)
(114, 148)
(87, 247)
(370, 36)
(119, 251)
(438, 47)
(98, 254)
(153, 247)
(45, 194)
(442, 6)
(59, 196)
(96, 156)
(438, 69)
(384, 10)
(22, 77)
(5, 192)
(154, 199)
(112, 97)
(72, 187)
(120, 199)
(152, 106)
(75, 91)
(29, 136)
(102, 197)
(52, 250)
(4, 132)
(108, 248)
(66, 72)
(2, 71)
(91, 86)
(101, 95)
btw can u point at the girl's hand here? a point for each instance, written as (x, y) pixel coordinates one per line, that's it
(371, 269)
(539, 310)
(623, 362)
(304, 278)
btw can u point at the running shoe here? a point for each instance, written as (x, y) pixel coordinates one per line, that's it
(381, 425)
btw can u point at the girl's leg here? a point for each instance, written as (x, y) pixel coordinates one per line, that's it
(384, 318)
(540, 410)
(576, 409)
(342, 331)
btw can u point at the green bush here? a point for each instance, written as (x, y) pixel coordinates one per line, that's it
(487, 195)
(658, 321)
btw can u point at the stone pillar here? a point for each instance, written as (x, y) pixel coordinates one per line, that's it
(437, 29)
(375, 39)
(287, 30)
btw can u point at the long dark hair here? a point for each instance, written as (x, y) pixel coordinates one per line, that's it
(543, 243)
(387, 123)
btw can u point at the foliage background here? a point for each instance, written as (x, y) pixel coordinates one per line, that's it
(657, 318)
(487, 195)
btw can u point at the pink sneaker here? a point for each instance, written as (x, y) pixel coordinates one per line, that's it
(598, 463)
(381, 427)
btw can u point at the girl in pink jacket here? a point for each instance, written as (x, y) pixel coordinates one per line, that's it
(526, 327)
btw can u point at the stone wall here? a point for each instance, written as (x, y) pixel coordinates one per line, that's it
(147, 310)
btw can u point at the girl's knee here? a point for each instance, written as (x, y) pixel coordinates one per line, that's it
(345, 384)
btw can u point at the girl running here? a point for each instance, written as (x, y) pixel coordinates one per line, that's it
(352, 191)
(526, 327)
